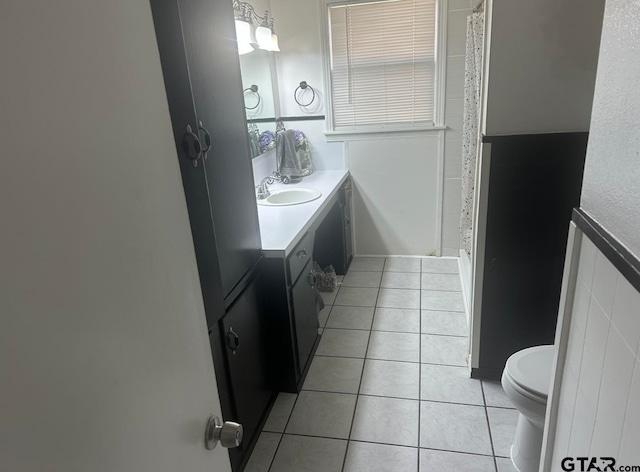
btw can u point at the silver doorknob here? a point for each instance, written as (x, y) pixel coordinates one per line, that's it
(229, 434)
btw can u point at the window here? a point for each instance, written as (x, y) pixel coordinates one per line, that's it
(382, 65)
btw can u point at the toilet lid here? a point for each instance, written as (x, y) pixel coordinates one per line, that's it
(531, 369)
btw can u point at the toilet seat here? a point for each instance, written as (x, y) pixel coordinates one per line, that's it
(530, 372)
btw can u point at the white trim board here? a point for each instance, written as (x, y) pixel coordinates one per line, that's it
(572, 258)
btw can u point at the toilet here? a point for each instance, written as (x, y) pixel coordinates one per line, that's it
(525, 380)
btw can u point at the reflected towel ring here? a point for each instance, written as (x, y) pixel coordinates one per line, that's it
(304, 86)
(254, 89)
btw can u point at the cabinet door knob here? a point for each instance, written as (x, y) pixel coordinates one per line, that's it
(302, 253)
(191, 146)
(233, 340)
(207, 139)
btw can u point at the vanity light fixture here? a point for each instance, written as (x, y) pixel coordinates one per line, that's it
(252, 30)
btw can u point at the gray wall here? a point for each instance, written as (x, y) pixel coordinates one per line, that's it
(611, 189)
(542, 65)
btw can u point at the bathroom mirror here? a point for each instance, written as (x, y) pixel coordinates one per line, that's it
(259, 102)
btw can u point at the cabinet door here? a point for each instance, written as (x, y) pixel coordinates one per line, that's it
(305, 315)
(214, 73)
(166, 17)
(534, 183)
(246, 352)
(329, 248)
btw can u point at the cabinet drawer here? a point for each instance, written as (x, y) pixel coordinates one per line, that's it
(299, 257)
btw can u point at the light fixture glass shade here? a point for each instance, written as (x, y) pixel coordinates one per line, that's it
(263, 37)
(243, 31)
(274, 43)
(243, 35)
(244, 48)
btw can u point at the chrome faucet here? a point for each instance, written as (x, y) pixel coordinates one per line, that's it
(263, 189)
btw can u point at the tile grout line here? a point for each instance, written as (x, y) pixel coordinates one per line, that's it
(486, 413)
(273, 458)
(285, 429)
(405, 288)
(402, 332)
(401, 398)
(408, 362)
(393, 445)
(355, 407)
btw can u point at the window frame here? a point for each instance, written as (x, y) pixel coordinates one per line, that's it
(439, 78)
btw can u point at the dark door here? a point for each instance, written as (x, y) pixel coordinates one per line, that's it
(305, 315)
(246, 353)
(214, 71)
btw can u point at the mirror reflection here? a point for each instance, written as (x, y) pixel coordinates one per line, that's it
(258, 101)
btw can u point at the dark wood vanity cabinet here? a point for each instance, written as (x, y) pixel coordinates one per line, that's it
(291, 293)
(293, 314)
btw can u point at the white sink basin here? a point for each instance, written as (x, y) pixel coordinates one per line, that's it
(290, 196)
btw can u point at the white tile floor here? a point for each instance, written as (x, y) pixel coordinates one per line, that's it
(388, 390)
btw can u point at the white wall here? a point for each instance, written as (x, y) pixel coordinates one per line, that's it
(424, 181)
(542, 65)
(392, 182)
(599, 399)
(104, 354)
(299, 26)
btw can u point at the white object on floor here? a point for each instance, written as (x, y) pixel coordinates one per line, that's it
(525, 379)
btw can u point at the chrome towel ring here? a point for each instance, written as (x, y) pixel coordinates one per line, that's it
(304, 86)
(253, 89)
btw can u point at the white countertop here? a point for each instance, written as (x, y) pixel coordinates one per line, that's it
(282, 227)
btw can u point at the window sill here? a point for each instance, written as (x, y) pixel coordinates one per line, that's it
(332, 136)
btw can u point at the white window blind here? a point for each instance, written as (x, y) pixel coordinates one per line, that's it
(383, 64)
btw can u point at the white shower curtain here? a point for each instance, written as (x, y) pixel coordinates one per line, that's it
(473, 69)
